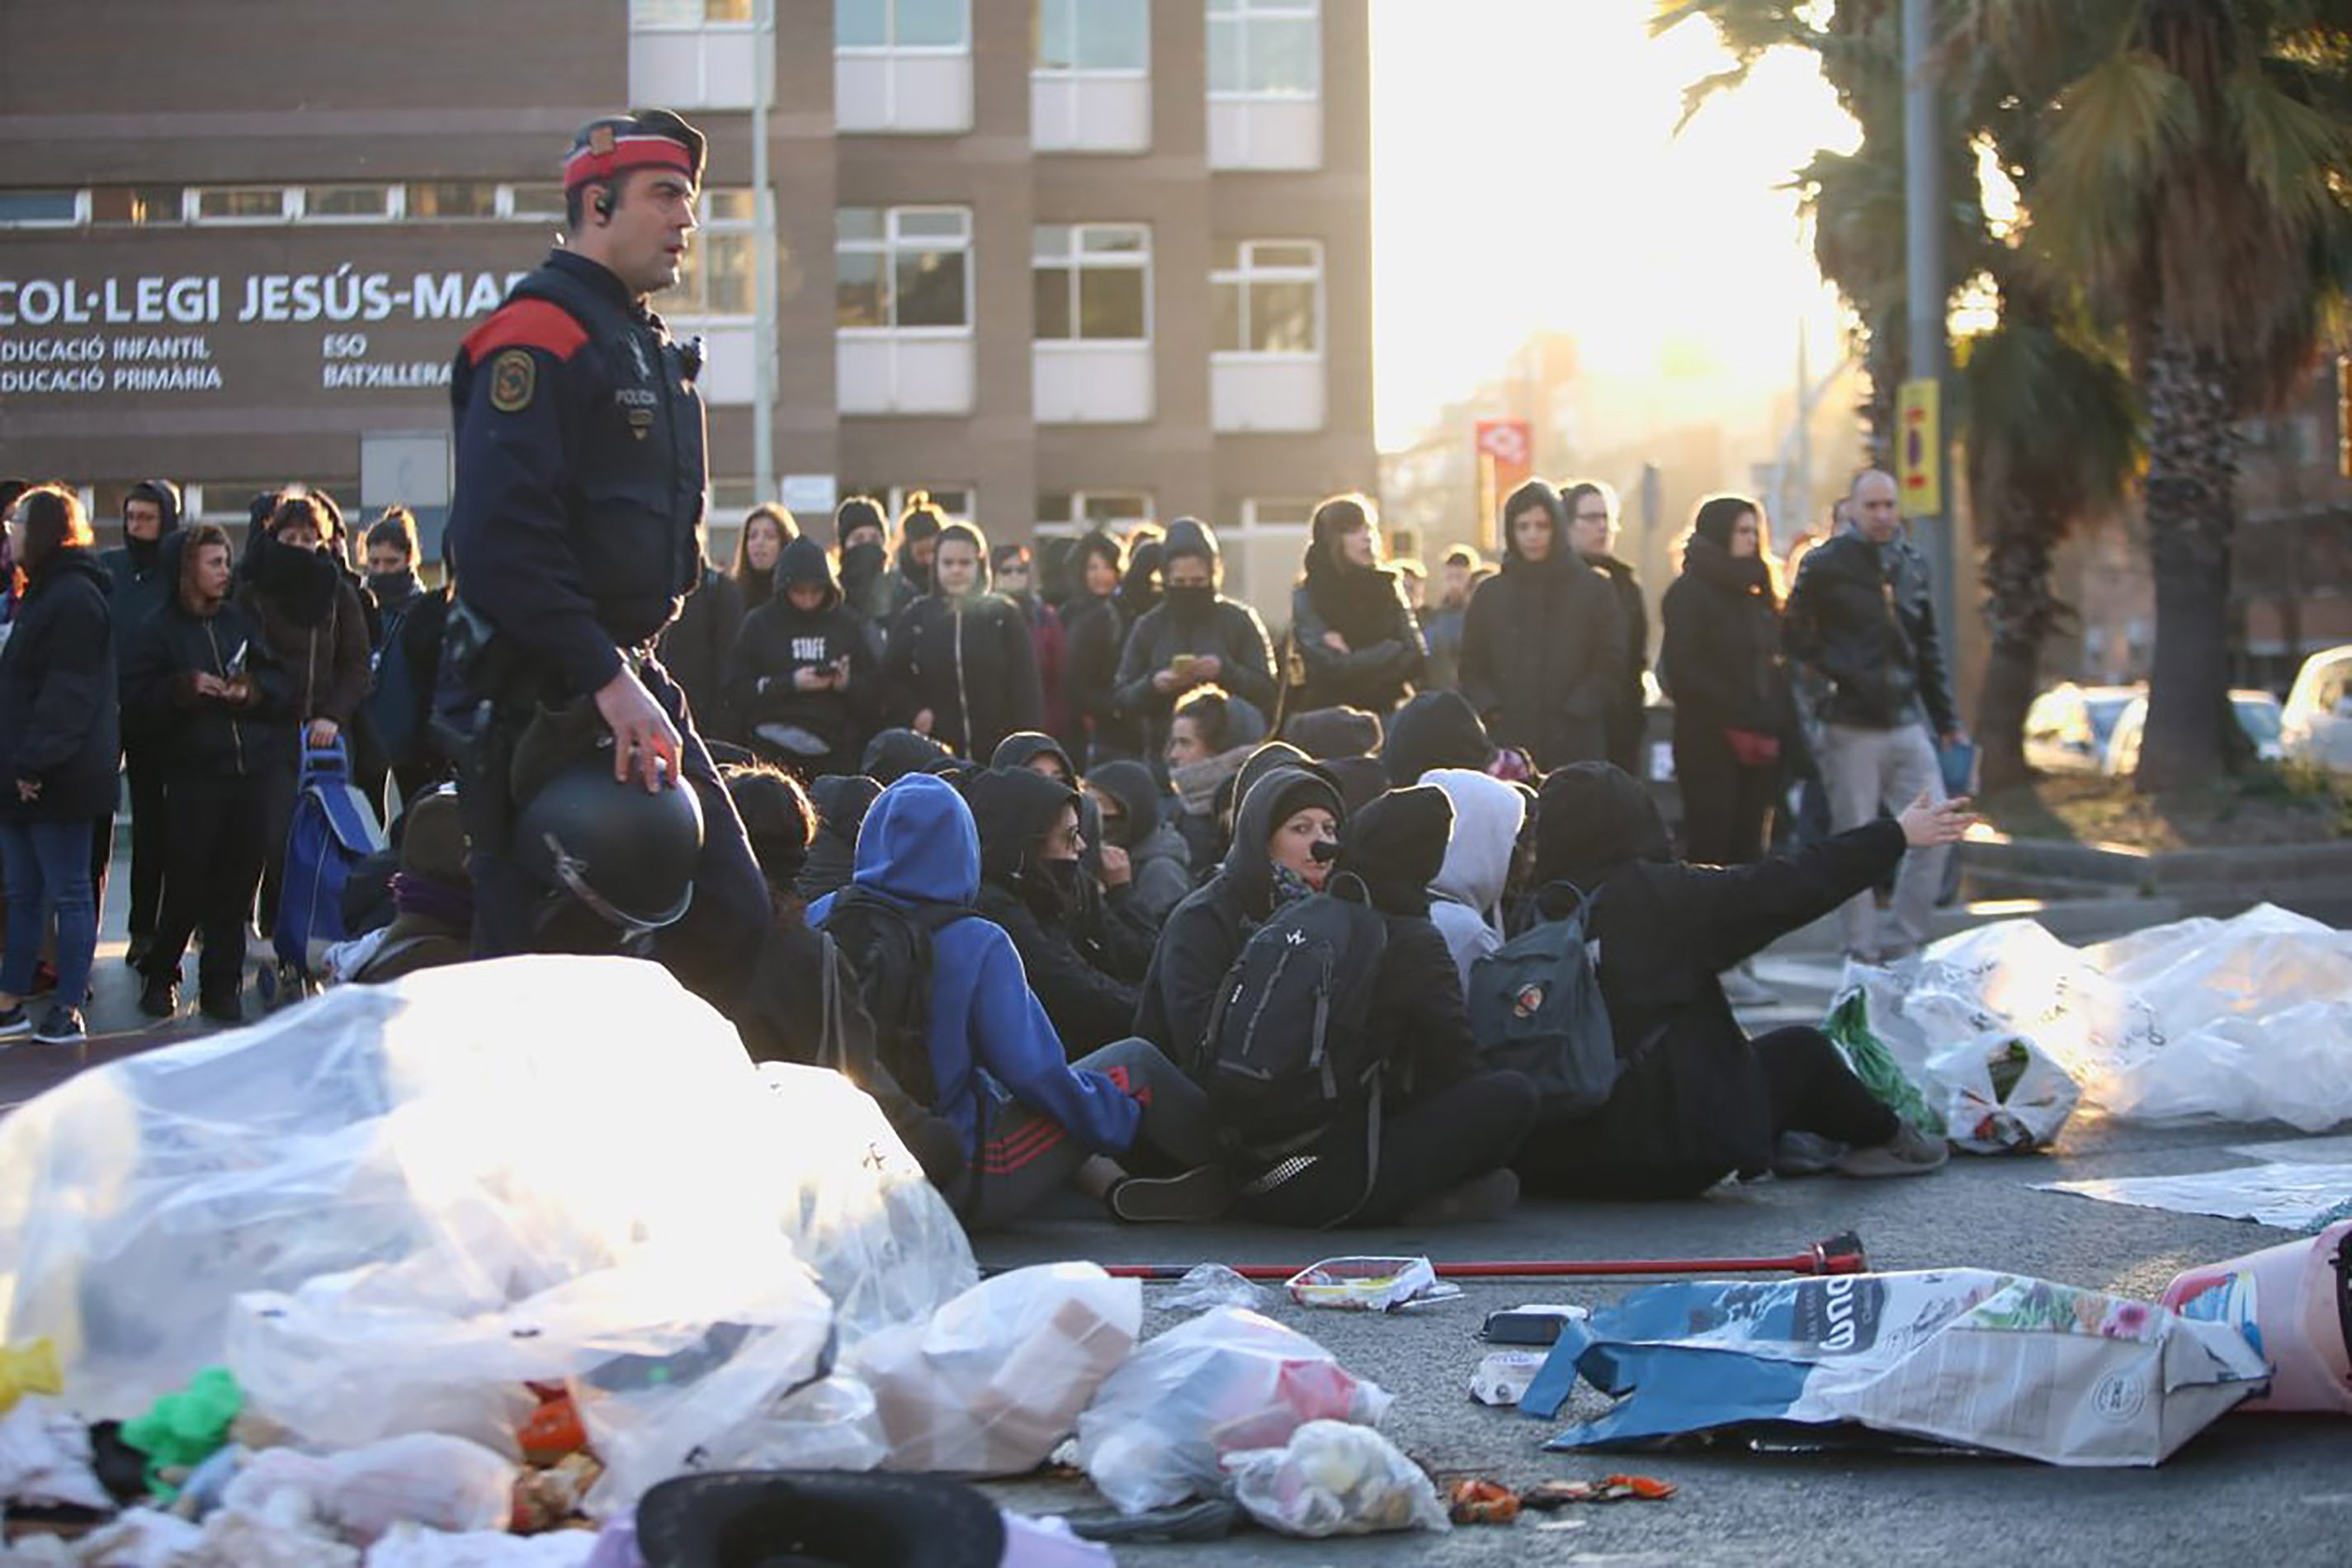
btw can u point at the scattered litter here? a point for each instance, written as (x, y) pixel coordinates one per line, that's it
(2294, 1304)
(1537, 1324)
(550, 1498)
(2292, 1197)
(442, 1483)
(1482, 1502)
(1334, 1479)
(1545, 1496)
(1877, 1001)
(1212, 1284)
(1503, 1376)
(28, 1368)
(1226, 1381)
(998, 1377)
(554, 1429)
(182, 1429)
(2000, 1094)
(1369, 1284)
(141, 1538)
(1965, 1356)
(45, 1458)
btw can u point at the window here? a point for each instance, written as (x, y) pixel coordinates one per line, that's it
(956, 501)
(435, 200)
(1094, 281)
(720, 278)
(1264, 48)
(31, 208)
(346, 203)
(900, 267)
(1068, 513)
(901, 25)
(533, 201)
(650, 15)
(242, 204)
(136, 204)
(1093, 35)
(1269, 297)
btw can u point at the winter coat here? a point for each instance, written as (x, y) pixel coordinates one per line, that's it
(1156, 853)
(1205, 933)
(1864, 616)
(140, 586)
(842, 801)
(1013, 807)
(1095, 631)
(1542, 650)
(1627, 717)
(988, 1037)
(314, 624)
(1722, 647)
(1419, 1029)
(60, 700)
(1467, 902)
(1436, 730)
(1226, 628)
(1366, 606)
(694, 649)
(1049, 642)
(778, 640)
(1690, 1105)
(970, 662)
(205, 737)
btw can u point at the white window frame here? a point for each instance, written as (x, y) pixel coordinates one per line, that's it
(509, 211)
(395, 204)
(890, 47)
(637, 24)
(1077, 525)
(79, 219)
(1240, 14)
(1077, 259)
(888, 246)
(712, 225)
(1091, 73)
(1246, 272)
(289, 206)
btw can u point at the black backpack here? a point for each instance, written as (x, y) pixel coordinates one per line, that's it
(1288, 1047)
(1535, 1007)
(888, 947)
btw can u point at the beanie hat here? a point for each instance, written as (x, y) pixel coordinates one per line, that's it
(1327, 733)
(856, 512)
(1396, 846)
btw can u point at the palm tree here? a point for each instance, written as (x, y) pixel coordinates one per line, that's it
(2198, 186)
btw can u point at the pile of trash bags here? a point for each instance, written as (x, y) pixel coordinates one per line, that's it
(1998, 1032)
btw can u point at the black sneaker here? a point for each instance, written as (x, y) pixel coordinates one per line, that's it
(1474, 1202)
(159, 999)
(15, 1021)
(223, 1007)
(61, 1027)
(1199, 1195)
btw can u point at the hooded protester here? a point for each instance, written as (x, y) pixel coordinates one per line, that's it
(1466, 905)
(1286, 815)
(1436, 730)
(1591, 508)
(801, 672)
(1140, 591)
(1209, 739)
(1027, 1118)
(841, 801)
(1696, 1100)
(919, 527)
(221, 706)
(397, 709)
(432, 897)
(1012, 568)
(1732, 707)
(767, 528)
(961, 664)
(1038, 753)
(894, 753)
(1446, 1131)
(151, 514)
(1096, 623)
(61, 739)
(1159, 865)
(1196, 637)
(1354, 631)
(1030, 876)
(1327, 733)
(862, 532)
(1542, 647)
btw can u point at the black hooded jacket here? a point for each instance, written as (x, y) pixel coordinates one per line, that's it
(207, 737)
(1096, 629)
(1692, 1105)
(1419, 1026)
(1205, 934)
(1628, 725)
(1366, 606)
(1226, 628)
(1156, 853)
(138, 586)
(780, 639)
(1542, 647)
(841, 801)
(1436, 730)
(1013, 807)
(1723, 644)
(970, 662)
(60, 702)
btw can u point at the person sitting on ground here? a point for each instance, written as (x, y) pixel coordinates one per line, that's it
(1447, 1129)
(1284, 815)
(432, 895)
(1467, 906)
(1208, 740)
(1324, 734)
(1028, 1119)
(842, 801)
(1031, 885)
(1159, 865)
(1436, 730)
(1696, 1100)
(1037, 751)
(894, 753)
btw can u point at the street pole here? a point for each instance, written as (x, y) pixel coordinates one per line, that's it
(1923, 228)
(763, 267)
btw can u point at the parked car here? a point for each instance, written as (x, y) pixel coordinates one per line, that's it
(2258, 715)
(2069, 726)
(2317, 725)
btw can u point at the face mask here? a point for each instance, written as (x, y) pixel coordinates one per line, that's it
(1190, 601)
(862, 562)
(386, 585)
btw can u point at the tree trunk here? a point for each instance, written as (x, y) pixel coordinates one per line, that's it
(2191, 493)
(2020, 612)
(1882, 367)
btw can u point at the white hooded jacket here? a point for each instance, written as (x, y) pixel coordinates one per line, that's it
(1468, 892)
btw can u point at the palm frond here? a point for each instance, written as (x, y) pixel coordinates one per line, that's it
(2295, 155)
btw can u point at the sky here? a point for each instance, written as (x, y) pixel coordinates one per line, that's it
(1525, 177)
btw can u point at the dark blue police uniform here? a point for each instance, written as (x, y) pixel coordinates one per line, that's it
(575, 534)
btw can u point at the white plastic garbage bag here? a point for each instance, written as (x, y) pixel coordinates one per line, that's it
(409, 1547)
(992, 1382)
(474, 1135)
(1334, 1479)
(2000, 1094)
(442, 1483)
(1227, 1381)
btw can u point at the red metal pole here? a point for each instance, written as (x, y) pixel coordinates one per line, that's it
(1838, 1255)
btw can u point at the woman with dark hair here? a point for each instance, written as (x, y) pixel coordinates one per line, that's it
(60, 738)
(1724, 670)
(960, 663)
(1541, 644)
(1095, 623)
(1355, 634)
(767, 528)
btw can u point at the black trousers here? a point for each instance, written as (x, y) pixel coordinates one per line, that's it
(215, 851)
(1726, 809)
(148, 820)
(1437, 1142)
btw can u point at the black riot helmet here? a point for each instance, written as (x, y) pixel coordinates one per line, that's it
(624, 854)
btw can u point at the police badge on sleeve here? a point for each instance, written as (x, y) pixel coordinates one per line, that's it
(513, 379)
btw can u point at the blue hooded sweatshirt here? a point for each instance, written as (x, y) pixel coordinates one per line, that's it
(988, 1033)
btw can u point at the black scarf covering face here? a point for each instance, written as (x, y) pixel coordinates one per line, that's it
(298, 583)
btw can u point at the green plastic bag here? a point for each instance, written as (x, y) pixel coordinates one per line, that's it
(1848, 1028)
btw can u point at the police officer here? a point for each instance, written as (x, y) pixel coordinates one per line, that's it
(575, 534)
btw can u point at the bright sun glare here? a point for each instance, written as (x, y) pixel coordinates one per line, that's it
(1526, 178)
